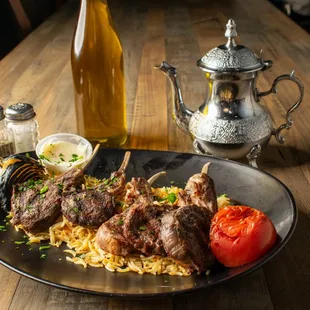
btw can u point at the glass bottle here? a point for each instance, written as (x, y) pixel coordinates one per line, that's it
(98, 76)
(6, 137)
(20, 118)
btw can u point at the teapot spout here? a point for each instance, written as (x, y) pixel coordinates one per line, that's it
(181, 114)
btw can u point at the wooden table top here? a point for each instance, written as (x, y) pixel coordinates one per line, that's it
(38, 71)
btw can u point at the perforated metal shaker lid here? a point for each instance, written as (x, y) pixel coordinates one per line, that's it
(19, 112)
(230, 57)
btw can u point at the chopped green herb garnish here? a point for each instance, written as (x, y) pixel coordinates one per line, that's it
(120, 222)
(30, 249)
(20, 242)
(44, 247)
(41, 156)
(172, 197)
(172, 182)
(76, 210)
(61, 160)
(44, 189)
(43, 256)
(114, 179)
(142, 227)
(28, 207)
(27, 155)
(106, 182)
(60, 186)
(75, 157)
(61, 155)
(25, 236)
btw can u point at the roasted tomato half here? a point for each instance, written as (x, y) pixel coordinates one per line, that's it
(240, 235)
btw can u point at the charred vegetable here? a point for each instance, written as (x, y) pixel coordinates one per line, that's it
(17, 169)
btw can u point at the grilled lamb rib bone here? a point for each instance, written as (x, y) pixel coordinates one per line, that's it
(110, 235)
(140, 187)
(200, 191)
(117, 181)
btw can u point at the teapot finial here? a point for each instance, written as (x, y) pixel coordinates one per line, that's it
(231, 33)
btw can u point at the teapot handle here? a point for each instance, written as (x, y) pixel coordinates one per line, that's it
(273, 89)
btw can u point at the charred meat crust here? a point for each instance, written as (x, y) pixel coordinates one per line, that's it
(36, 208)
(88, 208)
(110, 236)
(200, 191)
(142, 226)
(137, 188)
(185, 236)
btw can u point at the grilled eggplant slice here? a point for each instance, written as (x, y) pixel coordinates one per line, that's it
(17, 169)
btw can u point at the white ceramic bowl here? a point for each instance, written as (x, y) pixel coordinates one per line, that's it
(62, 166)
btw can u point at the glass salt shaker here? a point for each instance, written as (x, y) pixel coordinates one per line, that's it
(6, 137)
(20, 118)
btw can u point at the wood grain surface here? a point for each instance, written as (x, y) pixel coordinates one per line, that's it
(38, 71)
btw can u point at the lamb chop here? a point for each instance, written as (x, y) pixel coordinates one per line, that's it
(92, 207)
(37, 204)
(199, 191)
(142, 226)
(185, 237)
(185, 231)
(140, 187)
(110, 236)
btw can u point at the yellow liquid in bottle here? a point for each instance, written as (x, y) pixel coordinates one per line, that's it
(98, 76)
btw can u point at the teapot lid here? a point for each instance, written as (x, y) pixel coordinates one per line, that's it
(230, 57)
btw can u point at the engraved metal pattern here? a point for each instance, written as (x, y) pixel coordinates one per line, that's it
(225, 60)
(230, 56)
(230, 132)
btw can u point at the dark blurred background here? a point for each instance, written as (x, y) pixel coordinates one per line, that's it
(18, 18)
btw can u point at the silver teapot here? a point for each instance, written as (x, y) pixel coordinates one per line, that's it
(231, 122)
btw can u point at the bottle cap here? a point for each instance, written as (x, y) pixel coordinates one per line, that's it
(19, 112)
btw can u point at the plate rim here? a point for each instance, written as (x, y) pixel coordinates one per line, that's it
(263, 260)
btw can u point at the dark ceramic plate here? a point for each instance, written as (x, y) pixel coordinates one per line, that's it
(245, 184)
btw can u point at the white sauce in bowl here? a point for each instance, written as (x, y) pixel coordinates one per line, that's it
(63, 153)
